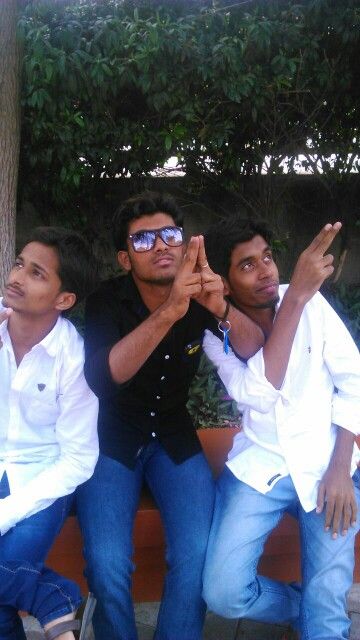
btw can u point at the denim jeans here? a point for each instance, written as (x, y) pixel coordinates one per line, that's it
(107, 505)
(29, 540)
(243, 519)
(38, 590)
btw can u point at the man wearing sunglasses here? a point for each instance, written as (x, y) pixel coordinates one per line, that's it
(143, 342)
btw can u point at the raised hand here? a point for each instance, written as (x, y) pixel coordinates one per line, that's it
(313, 266)
(212, 288)
(187, 283)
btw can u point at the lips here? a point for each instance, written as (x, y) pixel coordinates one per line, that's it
(164, 260)
(269, 288)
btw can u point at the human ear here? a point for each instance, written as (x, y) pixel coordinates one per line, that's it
(227, 289)
(124, 260)
(65, 301)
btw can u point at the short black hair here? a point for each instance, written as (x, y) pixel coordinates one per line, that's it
(222, 238)
(78, 268)
(146, 203)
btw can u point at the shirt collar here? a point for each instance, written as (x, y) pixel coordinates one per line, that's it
(49, 343)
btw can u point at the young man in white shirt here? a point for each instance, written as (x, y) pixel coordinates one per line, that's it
(300, 401)
(48, 414)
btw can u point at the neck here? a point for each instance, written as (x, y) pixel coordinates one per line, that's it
(26, 331)
(153, 294)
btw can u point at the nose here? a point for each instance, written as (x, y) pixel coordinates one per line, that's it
(16, 276)
(264, 271)
(159, 245)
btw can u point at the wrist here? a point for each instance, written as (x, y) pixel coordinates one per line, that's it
(295, 299)
(168, 313)
(222, 315)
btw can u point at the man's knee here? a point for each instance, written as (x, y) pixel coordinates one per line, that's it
(106, 570)
(226, 597)
(221, 598)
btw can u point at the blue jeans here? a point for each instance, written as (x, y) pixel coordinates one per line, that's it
(29, 540)
(107, 505)
(38, 590)
(243, 519)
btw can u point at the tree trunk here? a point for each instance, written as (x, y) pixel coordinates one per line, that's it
(9, 131)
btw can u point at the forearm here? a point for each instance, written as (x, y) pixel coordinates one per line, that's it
(343, 450)
(246, 337)
(129, 354)
(278, 346)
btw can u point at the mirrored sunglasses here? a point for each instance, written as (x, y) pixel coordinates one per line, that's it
(144, 240)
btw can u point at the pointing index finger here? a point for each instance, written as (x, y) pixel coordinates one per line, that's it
(191, 255)
(202, 261)
(324, 239)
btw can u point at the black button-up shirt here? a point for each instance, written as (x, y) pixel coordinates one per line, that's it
(153, 402)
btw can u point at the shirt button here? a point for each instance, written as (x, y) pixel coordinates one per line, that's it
(167, 357)
(158, 397)
(152, 413)
(162, 378)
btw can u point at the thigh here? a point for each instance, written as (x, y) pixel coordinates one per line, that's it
(243, 519)
(327, 574)
(106, 507)
(32, 537)
(184, 494)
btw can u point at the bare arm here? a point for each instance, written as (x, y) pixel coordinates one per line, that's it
(311, 269)
(336, 488)
(129, 354)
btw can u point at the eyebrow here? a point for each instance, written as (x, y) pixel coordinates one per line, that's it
(243, 260)
(34, 264)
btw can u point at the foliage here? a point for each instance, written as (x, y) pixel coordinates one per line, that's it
(345, 299)
(208, 404)
(115, 87)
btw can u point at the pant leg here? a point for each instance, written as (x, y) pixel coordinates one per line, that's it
(38, 590)
(327, 568)
(243, 519)
(185, 496)
(106, 507)
(29, 540)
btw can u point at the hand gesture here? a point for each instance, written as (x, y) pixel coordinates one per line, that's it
(336, 490)
(212, 288)
(313, 267)
(187, 283)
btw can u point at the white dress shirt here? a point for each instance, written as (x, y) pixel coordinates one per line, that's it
(48, 422)
(292, 430)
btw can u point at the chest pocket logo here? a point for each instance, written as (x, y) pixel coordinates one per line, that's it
(192, 348)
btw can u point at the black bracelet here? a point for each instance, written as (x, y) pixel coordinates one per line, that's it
(224, 317)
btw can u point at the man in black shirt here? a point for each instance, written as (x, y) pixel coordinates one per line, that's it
(143, 342)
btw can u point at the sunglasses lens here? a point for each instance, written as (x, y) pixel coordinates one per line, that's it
(143, 240)
(172, 236)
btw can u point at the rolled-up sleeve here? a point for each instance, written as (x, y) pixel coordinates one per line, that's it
(102, 331)
(245, 382)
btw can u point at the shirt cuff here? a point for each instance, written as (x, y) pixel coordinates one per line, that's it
(246, 383)
(346, 413)
(7, 520)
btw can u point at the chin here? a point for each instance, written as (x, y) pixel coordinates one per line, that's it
(159, 278)
(270, 304)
